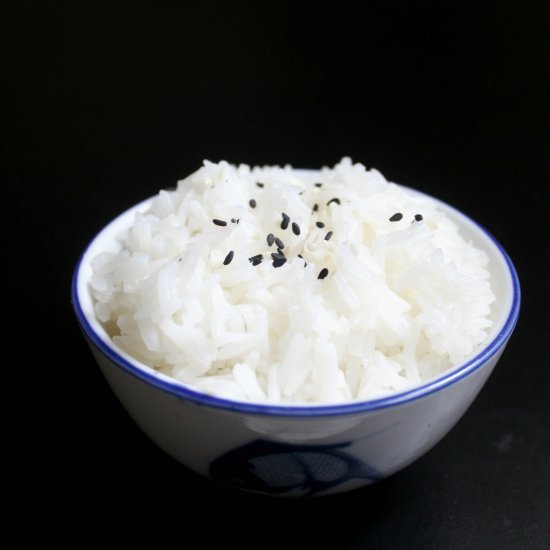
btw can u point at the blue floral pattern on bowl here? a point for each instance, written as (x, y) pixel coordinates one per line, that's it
(278, 468)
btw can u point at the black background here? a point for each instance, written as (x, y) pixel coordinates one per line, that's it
(107, 103)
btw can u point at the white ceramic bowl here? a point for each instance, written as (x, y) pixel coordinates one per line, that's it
(292, 450)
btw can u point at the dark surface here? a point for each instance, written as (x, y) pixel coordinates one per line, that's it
(105, 105)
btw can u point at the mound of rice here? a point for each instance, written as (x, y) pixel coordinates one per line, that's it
(268, 284)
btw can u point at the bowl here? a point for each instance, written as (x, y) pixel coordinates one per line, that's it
(296, 450)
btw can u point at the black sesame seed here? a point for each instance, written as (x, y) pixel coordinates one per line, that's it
(260, 185)
(279, 255)
(323, 273)
(284, 223)
(270, 239)
(418, 217)
(221, 223)
(318, 185)
(396, 217)
(315, 207)
(255, 260)
(295, 228)
(328, 236)
(335, 199)
(234, 220)
(300, 256)
(228, 258)
(279, 262)
(320, 225)
(252, 203)
(279, 243)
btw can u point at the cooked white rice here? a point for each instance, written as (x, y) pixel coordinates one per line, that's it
(402, 302)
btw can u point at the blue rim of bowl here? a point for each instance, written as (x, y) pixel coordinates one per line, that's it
(181, 391)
